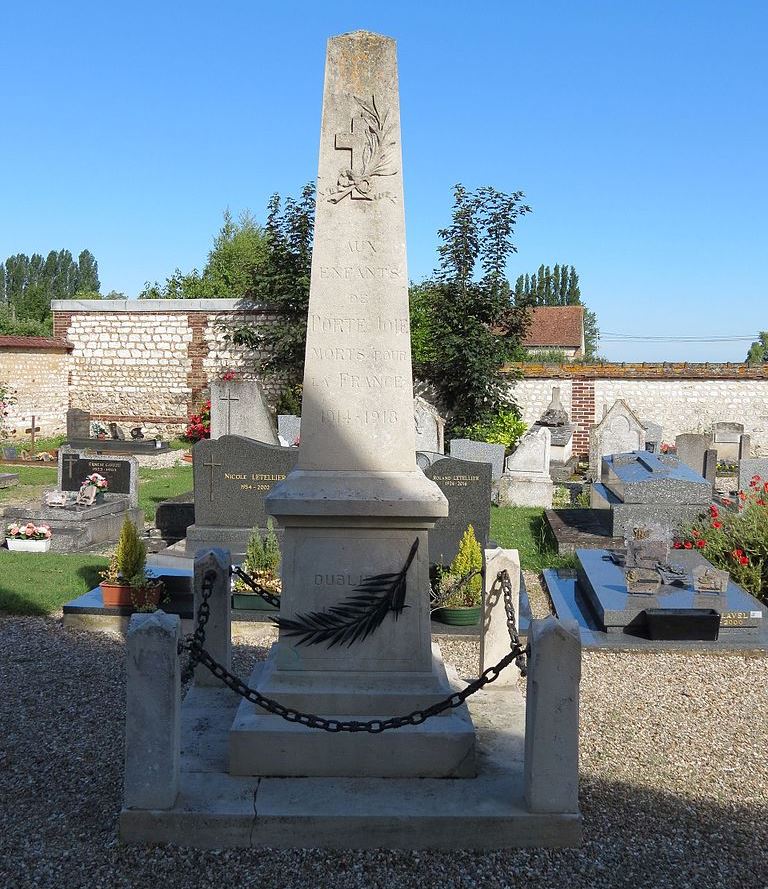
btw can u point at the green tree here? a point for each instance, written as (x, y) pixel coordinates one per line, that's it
(758, 351)
(87, 272)
(281, 282)
(238, 250)
(467, 307)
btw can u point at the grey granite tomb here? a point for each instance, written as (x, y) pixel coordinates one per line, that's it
(691, 449)
(642, 488)
(232, 477)
(238, 407)
(467, 488)
(480, 452)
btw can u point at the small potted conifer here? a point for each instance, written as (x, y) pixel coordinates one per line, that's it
(459, 596)
(126, 582)
(262, 563)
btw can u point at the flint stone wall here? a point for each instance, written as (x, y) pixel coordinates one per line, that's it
(37, 375)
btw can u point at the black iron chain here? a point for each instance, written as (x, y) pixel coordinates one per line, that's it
(198, 655)
(273, 600)
(521, 661)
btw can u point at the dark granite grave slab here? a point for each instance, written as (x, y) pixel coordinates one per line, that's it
(604, 586)
(467, 487)
(119, 446)
(232, 477)
(581, 528)
(570, 603)
(174, 516)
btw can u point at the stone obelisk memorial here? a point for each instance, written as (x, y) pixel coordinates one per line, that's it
(354, 639)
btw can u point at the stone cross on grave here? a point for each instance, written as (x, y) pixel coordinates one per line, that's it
(32, 430)
(228, 398)
(211, 465)
(355, 143)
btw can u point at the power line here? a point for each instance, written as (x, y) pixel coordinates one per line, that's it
(643, 338)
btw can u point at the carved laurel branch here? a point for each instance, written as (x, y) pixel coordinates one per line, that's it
(359, 615)
(377, 154)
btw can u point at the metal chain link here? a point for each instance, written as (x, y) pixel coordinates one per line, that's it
(273, 600)
(194, 642)
(521, 661)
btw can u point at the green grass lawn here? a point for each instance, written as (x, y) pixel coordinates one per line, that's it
(39, 583)
(524, 528)
(156, 485)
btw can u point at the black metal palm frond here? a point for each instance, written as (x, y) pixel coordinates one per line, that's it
(359, 615)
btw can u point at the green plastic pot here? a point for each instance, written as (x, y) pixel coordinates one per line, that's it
(250, 602)
(468, 616)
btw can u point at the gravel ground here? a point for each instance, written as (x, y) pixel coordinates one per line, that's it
(673, 789)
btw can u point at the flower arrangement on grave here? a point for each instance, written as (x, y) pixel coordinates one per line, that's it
(99, 430)
(262, 561)
(98, 481)
(30, 531)
(228, 376)
(734, 536)
(459, 590)
(199, 424)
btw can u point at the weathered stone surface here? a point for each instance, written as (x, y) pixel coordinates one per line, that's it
(494, 640)
(430, 426)
(710, 465)
(555, 415)
(653, 478)
(653, 436)
(531, 456)
(691, 448)
(467, 487)
(619, 432)
(152, 711)
(238, 407)
(748, 469)
(289, 428)
(552, 717)
(215, 563)
(725, 439)
(479, 452)
(745, 447)
(522, 490)
(526, 480)
(78, 424)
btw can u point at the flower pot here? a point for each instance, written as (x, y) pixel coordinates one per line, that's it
(468, 616)
(250, 602)
(115, 595)
(28, 546)
(145, 598)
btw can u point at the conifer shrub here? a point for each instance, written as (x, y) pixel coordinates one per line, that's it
(452, 592)
(131, 553)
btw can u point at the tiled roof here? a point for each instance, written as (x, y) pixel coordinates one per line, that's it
(555, 327)
(34, 342)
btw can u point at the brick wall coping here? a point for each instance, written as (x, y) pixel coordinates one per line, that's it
(641, 371)
(22, 343)
(92, 306)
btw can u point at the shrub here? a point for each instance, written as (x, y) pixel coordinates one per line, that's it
(736, 540)
(262, 558)
(131, 553)
(505, 429)
(452, 592)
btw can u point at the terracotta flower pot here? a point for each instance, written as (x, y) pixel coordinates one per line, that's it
(115, 595)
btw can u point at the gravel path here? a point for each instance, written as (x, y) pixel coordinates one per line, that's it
(673, 760)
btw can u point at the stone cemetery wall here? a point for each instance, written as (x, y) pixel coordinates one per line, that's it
(145, 361)
(681, 398)
(36, 370)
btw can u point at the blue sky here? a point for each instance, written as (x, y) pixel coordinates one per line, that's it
(637, 131)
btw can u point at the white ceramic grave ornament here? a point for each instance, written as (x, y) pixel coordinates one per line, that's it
(356, 510)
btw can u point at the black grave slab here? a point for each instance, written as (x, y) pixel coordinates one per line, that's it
(120, 474)
(174, 516)
(467, 487)
(586, 528)
(232, 477)
(604, 586)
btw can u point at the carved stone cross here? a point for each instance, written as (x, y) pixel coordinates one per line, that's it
(68, 461)
(355, 143)
(211, 464)
(229, 398)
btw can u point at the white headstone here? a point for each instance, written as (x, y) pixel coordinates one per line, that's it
(619, 432)
(238, 407)
(526, 480)
(430, 426)
(531, 457)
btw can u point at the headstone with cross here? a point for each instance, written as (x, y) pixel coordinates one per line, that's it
(238, 407)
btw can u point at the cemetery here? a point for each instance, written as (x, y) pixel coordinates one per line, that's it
(335, 627)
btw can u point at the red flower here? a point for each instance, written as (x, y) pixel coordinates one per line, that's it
(695, 533)
(760, 501)
(765, 487)
(737, 553)
(713, 511)
(742, 495)
(717, 524)
(688, 544)
(701, 543)
(744, 560)
(677, 545)
(726, 501)
(228, 375)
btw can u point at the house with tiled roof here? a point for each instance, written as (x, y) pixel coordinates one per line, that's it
(558, 328)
